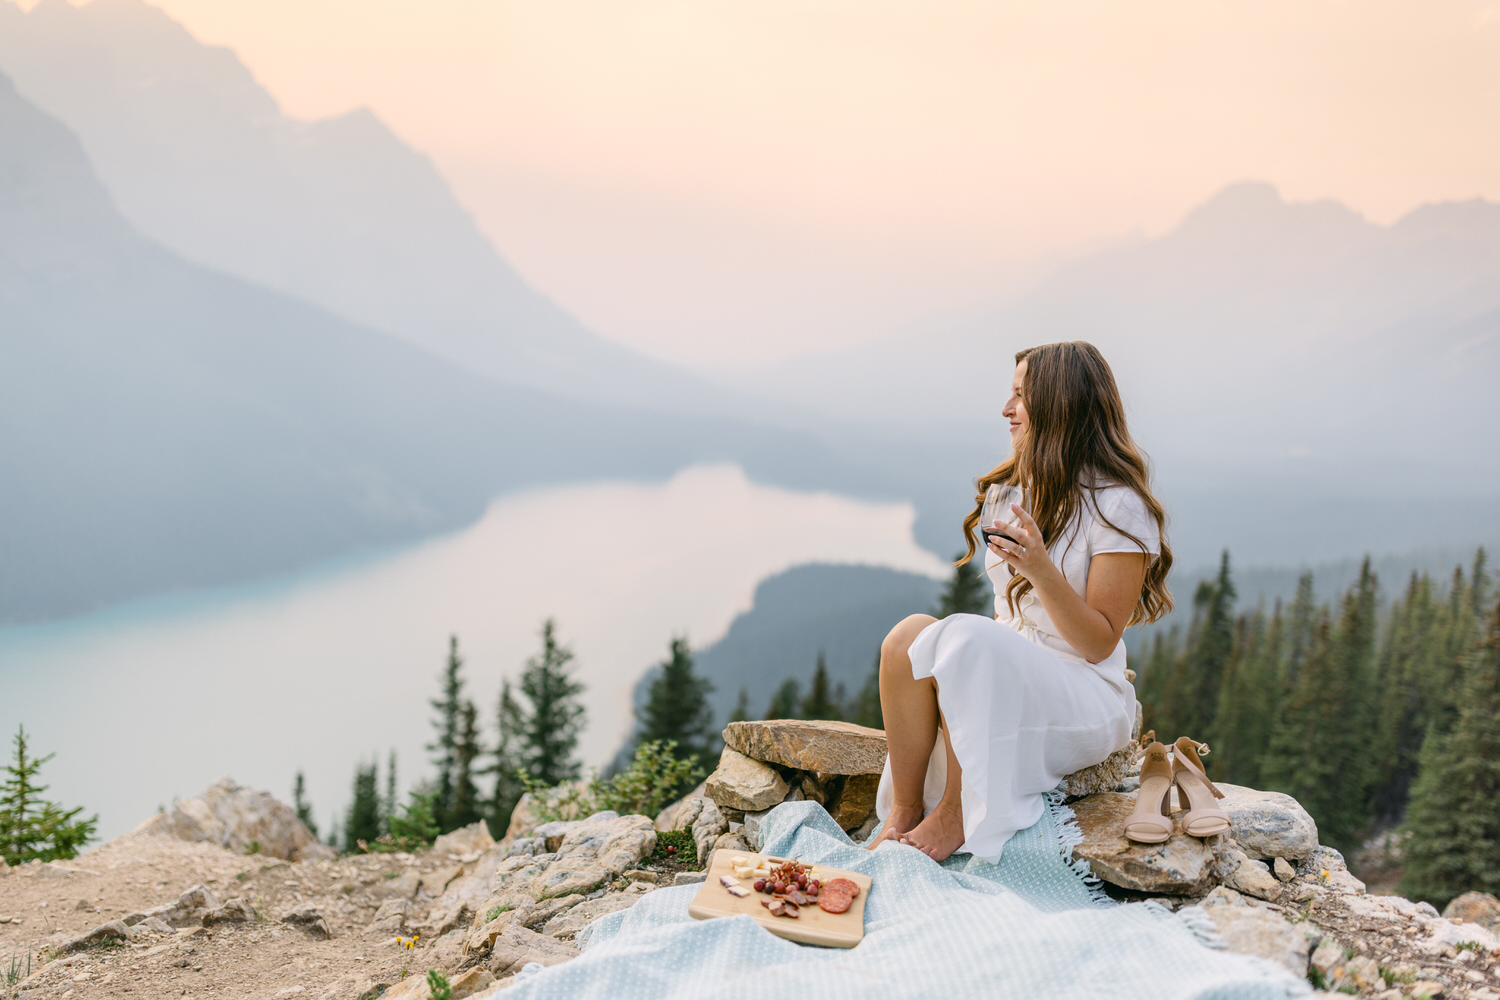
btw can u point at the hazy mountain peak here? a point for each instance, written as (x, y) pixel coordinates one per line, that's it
(51, 204)
(340, 213)
(1253, 214)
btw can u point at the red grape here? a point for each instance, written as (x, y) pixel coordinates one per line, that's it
(760, 884)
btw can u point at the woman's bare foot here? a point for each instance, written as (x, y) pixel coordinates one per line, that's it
(939, 835)
(897, 824)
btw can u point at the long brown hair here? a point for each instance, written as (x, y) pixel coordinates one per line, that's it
(1077, 444)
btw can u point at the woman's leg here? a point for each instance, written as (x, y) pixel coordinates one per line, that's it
(942, 832)
(911, 720)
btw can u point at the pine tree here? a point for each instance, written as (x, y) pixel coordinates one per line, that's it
(968, 592)
(1455, 842)
(867, 711)
(1248, 699)
(300, 803)
(1320, 750)
(363, 819)
(677, 708)
(508, 761)
(467, 749)
(550, 730)
(446, 723)
(741, 707)
(820, 703)
(31, 828)
(1200, 672)
(388, 806)
(1152, 680)
(785, 701)
(416, 827)
(1302, 620)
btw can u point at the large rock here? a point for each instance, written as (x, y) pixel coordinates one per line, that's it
(829, 747)
(239, 819)
(568, 923)
(708, 827)
(853, 801)
(472, 840)
(1182, 866)
(189, 908)
(1268, 824)
(1254, 930)
(1248, 876)
(614, 842)
(1105, 776)
(1475, 908)
(234, 911)
(516, 946)
(744, 784)
(115, 930)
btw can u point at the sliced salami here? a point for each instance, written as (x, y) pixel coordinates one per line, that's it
(850, 887)
(835, 900)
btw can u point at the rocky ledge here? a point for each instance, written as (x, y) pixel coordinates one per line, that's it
(481, 912)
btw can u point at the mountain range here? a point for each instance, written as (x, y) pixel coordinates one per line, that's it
(166, 426)
(1309, 384)
(236, 343)
(339, 213)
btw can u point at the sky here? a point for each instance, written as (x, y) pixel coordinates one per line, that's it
(727, 183)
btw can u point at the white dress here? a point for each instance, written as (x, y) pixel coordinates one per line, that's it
(1023, 707)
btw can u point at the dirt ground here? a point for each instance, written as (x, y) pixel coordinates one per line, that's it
(42, 905)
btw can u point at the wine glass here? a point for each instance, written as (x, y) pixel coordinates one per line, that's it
(996, 513)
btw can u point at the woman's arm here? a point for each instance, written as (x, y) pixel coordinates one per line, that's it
(1091, 624)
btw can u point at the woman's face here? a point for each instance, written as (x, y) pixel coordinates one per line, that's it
(1015, 408)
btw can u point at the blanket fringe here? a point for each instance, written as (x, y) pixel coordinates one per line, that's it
(1069, 836)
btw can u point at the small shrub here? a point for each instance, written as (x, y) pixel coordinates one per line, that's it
(649, 783)
(1469, 946)
(686, 853)
(495, 911)
(253, 847)
(438, 985)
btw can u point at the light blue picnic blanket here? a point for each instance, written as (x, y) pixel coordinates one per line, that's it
(1030, 926)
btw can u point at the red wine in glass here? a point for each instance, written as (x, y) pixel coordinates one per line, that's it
(995, 516)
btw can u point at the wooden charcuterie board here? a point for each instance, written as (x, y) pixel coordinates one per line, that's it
(814, 926)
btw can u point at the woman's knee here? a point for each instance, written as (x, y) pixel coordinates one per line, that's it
(899, 639)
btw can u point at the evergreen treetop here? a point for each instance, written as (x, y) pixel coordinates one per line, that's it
(302, 806)
(448, 708)
(508, 760)
(867, 711)
(32, 828)
(365, 820)
(785, 701)
(820, 702)
(968, 591)
(466, 806)
(677, 708)
(1453, 816)
(550, 730)
(741, 707)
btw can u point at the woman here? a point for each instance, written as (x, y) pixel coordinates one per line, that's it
(984, 717)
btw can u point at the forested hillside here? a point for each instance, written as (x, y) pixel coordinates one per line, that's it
(1367, 712)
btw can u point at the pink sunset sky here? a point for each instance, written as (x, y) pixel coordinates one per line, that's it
(728, 183)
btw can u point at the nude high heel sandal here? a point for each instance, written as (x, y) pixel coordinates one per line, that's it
(1151, 822)
(1200, 818)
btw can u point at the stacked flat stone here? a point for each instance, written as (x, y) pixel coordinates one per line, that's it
(836, 764)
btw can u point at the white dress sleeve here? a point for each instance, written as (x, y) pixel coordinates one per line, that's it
(1126, 511)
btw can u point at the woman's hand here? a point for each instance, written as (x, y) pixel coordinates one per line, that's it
(1091, 624)
(1027, 556)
